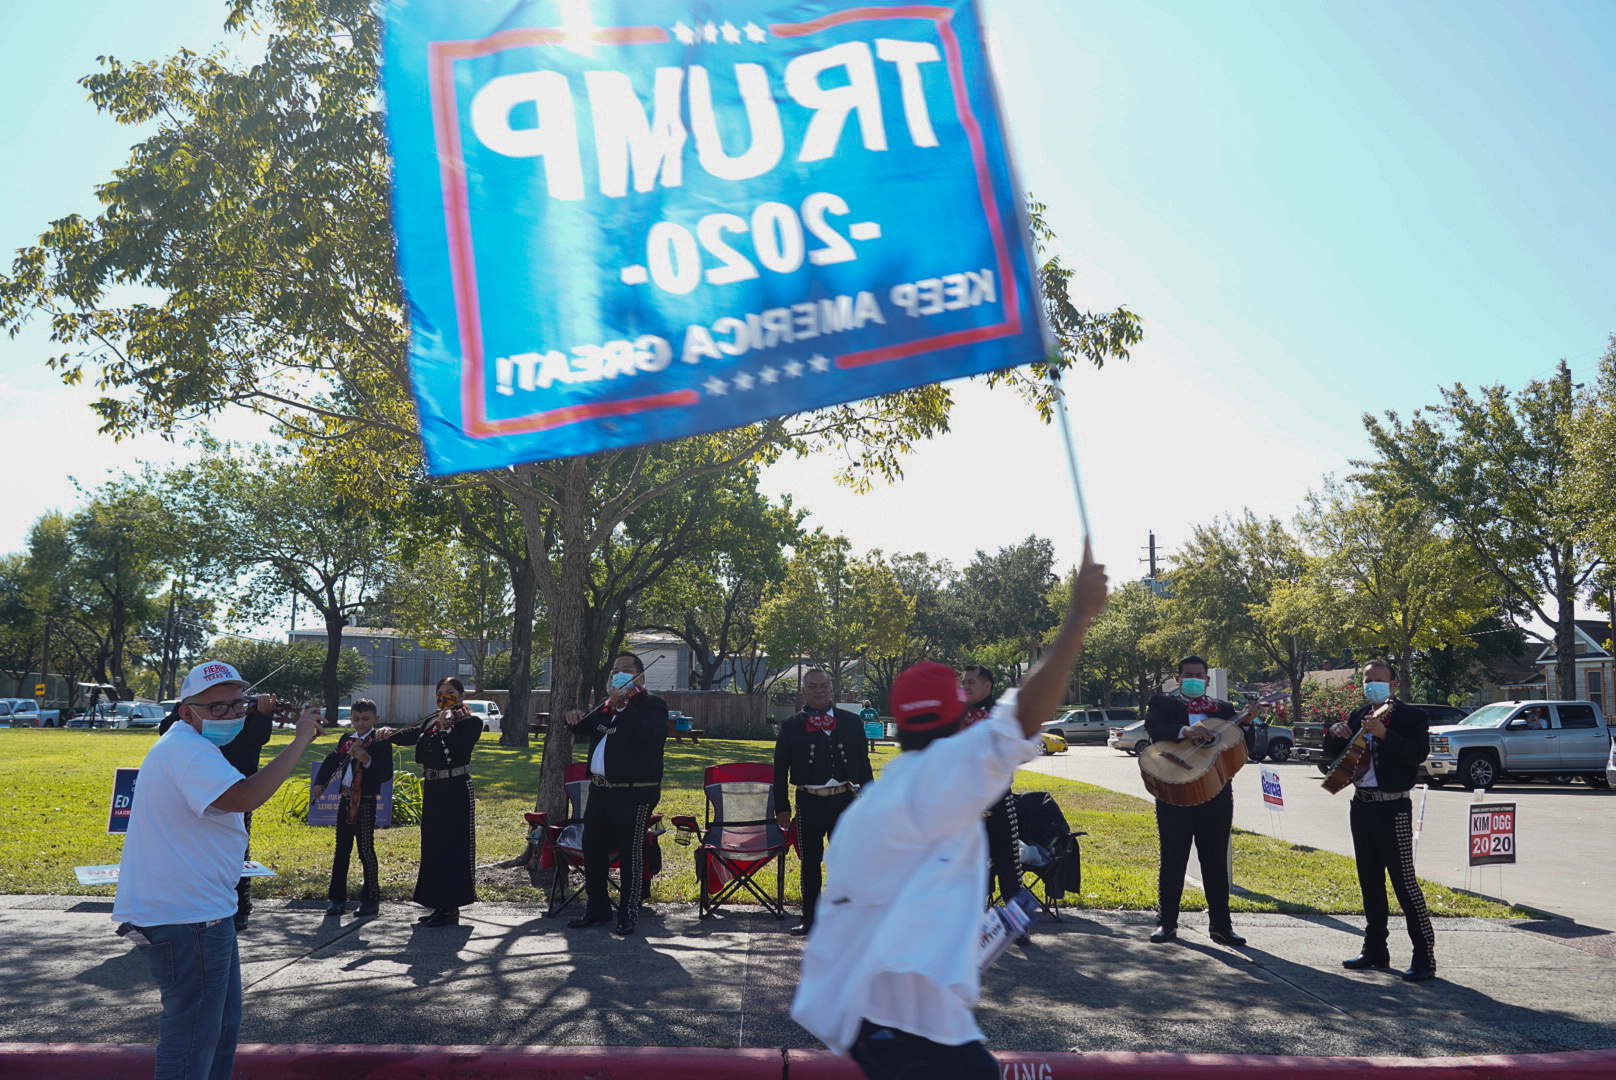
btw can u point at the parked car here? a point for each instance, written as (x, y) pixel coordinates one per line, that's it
(1130, 739)
(1308, 737)
(1555, 740)
(488, 712)
(1082, 724)
(132, 714)
(25, 712)
(1274, 741)
(1052, 744)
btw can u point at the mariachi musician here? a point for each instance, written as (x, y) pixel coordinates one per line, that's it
(1207, 825)
(446, 880)
(821, 751)
(360, 765)
(1382, 817)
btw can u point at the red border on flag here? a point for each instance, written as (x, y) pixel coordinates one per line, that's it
(441, 57)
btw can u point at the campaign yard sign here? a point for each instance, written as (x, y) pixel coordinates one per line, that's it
(123, 800)
(1492, 833)
(323, 810)
(1273, 796)
(620, 223)
(108, 874)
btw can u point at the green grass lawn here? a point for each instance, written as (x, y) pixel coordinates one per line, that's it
(55, 787)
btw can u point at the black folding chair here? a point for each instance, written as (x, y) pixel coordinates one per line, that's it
(1051, 856)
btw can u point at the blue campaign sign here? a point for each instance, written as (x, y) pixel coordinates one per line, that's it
(323, 809)
(123, 799)
(622, 222)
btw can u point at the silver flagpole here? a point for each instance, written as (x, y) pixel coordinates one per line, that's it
(1070, 444)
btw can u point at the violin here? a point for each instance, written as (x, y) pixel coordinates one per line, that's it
(1345, 766)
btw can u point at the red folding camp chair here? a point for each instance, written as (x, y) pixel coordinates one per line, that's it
(739, 837)
(563, 844)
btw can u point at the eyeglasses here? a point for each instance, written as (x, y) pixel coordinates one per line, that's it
(220, 709)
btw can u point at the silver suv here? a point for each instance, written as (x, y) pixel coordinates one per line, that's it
(1080, 724)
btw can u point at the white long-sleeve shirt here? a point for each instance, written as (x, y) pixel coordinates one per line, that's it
(895, 933)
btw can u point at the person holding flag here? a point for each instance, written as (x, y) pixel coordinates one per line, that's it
(890, 973)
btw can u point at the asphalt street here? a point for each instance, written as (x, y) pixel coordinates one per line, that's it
(1092, 982)
(1565, 862)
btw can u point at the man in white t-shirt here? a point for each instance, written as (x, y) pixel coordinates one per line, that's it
(181, 857)
(890, 972)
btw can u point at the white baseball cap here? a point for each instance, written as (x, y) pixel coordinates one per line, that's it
(206, 674)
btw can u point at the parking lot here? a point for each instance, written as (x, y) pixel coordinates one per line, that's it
(1564, 833)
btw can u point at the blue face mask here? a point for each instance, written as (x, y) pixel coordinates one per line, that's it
(1192, 687)
(219, 732)
(622, 679)
(1377, 692)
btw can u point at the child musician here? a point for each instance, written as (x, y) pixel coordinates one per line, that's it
(361, 763)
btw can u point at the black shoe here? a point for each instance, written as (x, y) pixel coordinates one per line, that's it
(241, 921)
(1420, 970)
(1023, 941)
(334, 908)
(589, 920)
(444, 917)
(1163, 934)
(1367, 961)
(624, 927)
(801, 929)
(368, 911)
(1226, 937)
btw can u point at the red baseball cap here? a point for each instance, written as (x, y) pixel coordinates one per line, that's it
(927, 688)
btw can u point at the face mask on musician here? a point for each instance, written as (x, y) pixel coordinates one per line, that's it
(622, 680)
(1377, 692)
(1192, 687)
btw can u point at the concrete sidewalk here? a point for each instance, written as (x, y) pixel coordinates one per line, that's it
(1092, 983)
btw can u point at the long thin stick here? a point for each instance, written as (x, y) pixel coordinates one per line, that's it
(1070, 444)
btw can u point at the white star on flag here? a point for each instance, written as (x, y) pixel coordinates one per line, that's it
(819, 363)
(731, 32)
(685, 34)
(793, 369)
(755, 33)
(743, 381)
(716, 386)
(770, 375)
(709, 32)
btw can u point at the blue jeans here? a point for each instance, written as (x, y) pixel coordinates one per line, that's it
(198, 972)
(889, 1054)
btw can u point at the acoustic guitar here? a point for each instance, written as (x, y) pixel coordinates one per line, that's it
(1345, 766)
(1186, 773)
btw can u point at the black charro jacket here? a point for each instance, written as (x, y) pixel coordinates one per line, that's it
(811, 758)
(370, 778)
(639, 731)
(1398, 754)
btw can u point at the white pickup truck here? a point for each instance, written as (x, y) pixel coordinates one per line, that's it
(1558, 741)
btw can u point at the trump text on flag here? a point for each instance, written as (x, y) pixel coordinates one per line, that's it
(620, 223)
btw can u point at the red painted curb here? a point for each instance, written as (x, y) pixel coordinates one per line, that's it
(110, 1061)
(1021, 1065)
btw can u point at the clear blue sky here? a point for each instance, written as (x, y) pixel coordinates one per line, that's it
(1319, 209)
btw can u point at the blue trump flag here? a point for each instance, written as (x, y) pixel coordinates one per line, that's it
(623, 222)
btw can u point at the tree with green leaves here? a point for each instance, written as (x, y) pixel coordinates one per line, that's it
(292, 671)
(711, 602)
(834, 608)
(1130, 644)
(255, 211)
(1498, 468)
(1240, 589)
(453, 597)
(291, 532)
(1396, 583)
(1006, 594)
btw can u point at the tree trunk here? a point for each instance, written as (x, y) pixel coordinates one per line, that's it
(1565, 633)
(567, 634)
(524, 589)
(1406, 662)
(334, 622)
